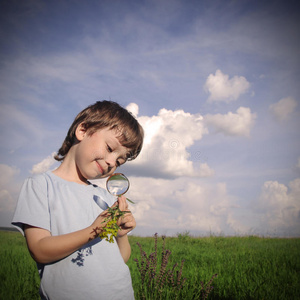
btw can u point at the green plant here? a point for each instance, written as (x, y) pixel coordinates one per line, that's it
(184, 236)
(158, 278)
(110, 230)
(161, 279)
(248, 267)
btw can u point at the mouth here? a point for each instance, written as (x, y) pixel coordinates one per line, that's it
(99, 168)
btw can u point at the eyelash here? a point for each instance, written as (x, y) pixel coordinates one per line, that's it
(110, 150)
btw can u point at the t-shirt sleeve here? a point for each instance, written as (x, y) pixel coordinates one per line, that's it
(32, 207)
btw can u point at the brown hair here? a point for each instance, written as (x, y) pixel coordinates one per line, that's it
(106, 114)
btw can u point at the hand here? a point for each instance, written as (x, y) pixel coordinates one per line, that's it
(101, 221)
(126, 222)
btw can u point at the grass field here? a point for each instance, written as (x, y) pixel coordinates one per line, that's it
(247, 267)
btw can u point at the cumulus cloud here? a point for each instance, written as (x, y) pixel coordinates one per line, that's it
(232, 124)
(223, 89)
(205, 170)
(44, 165)
(279, 207)
(168, 136)
(282, 109)
(133, 108)
(172, 206)
(169, 206)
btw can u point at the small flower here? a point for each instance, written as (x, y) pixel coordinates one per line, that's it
(110, 230)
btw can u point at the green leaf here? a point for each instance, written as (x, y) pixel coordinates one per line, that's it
(130, 201)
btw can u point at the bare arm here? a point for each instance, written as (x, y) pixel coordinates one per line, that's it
(127, 223)
(124, 247)
(45, 248)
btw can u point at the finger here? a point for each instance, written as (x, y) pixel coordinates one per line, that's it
(104, 214)
(123, 205)
(127, 215)
(115, 204)
(128, 225)
(127, 221)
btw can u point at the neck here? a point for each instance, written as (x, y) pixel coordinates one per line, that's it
(69, 171)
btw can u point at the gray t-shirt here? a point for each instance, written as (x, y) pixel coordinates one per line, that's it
(97, 270)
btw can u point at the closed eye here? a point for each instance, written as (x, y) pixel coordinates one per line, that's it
(108, 148)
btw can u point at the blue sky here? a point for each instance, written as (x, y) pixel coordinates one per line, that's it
(215, 85)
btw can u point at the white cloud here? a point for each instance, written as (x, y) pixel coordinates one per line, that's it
(168, 136)
(232, 124)
(279, 206)
(185, 204)
(133, 108)
(7, 202)
(188, 204)
(223, 89)
(283, 108)
(205, 170)
(8, 187)
(44, 165)
(6, 174)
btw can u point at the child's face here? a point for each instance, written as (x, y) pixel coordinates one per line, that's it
(98, 155)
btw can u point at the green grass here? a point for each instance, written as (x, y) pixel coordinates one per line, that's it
(18, 274)
(247, 267)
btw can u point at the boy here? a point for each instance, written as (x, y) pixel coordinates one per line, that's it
(61, 213)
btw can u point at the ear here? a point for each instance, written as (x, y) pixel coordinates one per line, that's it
(80, 132)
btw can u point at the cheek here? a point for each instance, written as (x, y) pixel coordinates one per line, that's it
(82, 155)
(86, 151)
(96, 154)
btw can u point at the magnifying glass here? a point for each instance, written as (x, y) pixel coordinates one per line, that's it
(117, 185)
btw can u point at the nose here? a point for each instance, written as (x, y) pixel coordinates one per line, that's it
(111, 160)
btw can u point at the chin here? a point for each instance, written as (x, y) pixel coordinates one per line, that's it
(101, 176)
